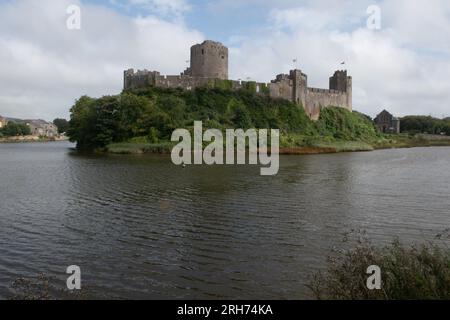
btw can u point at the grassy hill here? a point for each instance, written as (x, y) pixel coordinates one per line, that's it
(143, 120)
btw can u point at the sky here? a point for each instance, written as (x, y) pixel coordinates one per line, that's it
(400, 61)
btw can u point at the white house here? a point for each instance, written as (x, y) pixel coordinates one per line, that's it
(2, 122)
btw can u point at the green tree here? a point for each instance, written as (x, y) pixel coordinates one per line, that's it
(62, 124)
(82, 123)
(15, 129)
(424, 124)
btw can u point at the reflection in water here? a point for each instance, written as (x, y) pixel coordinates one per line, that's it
(140, 227)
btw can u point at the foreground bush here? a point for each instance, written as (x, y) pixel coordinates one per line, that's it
(408, 273)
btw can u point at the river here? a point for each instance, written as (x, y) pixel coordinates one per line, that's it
(142, 228)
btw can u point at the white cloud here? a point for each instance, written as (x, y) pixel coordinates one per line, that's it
(403, 67)
(45, 67)
(161, 7)
(423, 25)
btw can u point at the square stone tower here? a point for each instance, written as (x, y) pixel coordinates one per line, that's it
(340, 81)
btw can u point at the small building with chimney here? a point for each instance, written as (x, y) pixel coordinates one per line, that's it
(387, 123)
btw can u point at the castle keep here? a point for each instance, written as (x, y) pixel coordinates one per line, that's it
(209, 60)
(209, 66)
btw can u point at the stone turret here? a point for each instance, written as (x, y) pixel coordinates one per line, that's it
(340, 81)
(209, 60)
(300, 84)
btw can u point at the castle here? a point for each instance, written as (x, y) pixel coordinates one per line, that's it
(209, 67)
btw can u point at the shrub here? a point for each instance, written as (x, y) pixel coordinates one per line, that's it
(415, 272)
(345, 125)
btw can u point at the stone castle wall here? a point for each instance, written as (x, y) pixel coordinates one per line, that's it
(317, 98)
(144, 78)
(209, 68)
(294, 87)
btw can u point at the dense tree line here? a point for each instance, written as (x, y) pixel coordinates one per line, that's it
(154, 113)
(15, 129)
(425, 124)
(61, 124)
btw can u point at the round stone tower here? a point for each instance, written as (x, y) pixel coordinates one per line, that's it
(209, 60)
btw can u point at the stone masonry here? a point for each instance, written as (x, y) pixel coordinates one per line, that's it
(387, 123)
(209, 64)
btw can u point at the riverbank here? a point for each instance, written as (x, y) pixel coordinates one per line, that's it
(411, 141)
(304, 145)
(27, 139)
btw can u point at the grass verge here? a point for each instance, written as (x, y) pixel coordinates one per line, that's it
(298, 144)
(139, 148)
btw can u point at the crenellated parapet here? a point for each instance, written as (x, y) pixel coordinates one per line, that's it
(294, 87)
(140, 78)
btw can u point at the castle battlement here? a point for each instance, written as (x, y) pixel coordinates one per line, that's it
(209, 64)
(320, 90)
